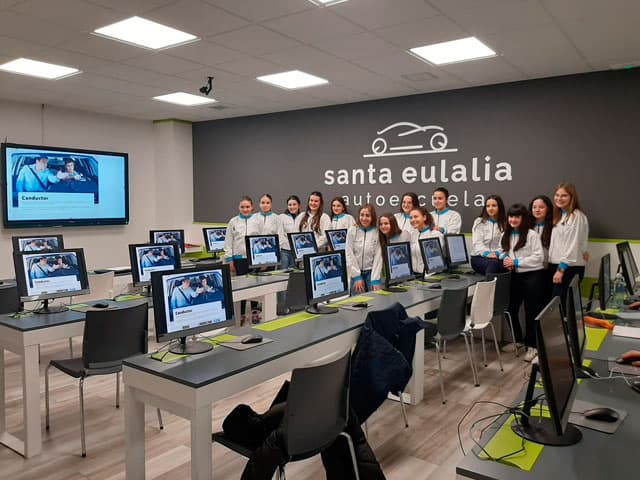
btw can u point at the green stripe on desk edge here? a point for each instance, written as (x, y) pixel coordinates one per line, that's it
(595, 337)
(168, 357)
(285, 321)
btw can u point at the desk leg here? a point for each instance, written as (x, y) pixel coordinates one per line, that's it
(31, 402)
(201, 462)
(134, 435)
(3, 405)
(416, 382)
(269, 304)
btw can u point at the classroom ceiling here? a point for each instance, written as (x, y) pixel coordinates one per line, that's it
(358, 45)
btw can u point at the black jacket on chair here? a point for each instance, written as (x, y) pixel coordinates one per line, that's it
(381, 361)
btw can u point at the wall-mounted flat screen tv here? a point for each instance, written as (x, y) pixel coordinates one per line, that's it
(54, 186)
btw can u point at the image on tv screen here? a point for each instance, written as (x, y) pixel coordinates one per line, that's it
(327, 275)
(399, 259)
(264, 250)
(338, 239)
(38, 244)
(216, 237)
(304, 243)
(154, 258)
(52, 272)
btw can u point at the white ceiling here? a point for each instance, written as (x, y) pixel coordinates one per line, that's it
(359, 46)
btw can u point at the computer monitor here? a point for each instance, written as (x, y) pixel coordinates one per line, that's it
(337, 238)
(456, 247)
(559, 383)
(634, 266)
(262, 251)
(574, 321)
(325, 276)
(152, 257)
(432, 255)
(191, 301)
(214, 238)
(168, 236)
(604, 281)
(43, 276)
(626, 262)
(303, 243)
(37, 243)
(398, 265)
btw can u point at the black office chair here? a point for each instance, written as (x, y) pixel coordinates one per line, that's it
(501, 301)
(316, 413)
(9, 298)
(110, 336)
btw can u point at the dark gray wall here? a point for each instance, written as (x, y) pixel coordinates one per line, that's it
(580, 128)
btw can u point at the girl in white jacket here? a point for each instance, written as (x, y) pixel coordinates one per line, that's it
(485, 236)
(287, 220)
(423, 227)
(389, 232)
(364, 257)
(403, 218)
(315, 220)
(340, 218)
(521, 253)
(445, 219)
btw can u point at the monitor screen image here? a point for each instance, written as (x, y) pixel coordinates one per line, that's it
(632, 261)
(337, 238)
(168, 236)
(325, 278)
(303, 243)
(604, 281)
(262, 250)
(214, 238)
(49, 186)
(432, 255)
(191, 301)
(398, 259)
(41, 276)
(626, 262)
(456, 249)
(152, 257)
(41, 243)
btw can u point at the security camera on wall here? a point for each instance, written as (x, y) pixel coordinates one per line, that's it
(206, 89)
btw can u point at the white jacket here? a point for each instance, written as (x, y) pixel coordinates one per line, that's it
(238, 228)
(363, 253)
(528, 258)
(569, 240)
(325, 224)
(416, 254)
(288, 225)
(448, 219)
(403, 221)
(539, 228)
(344, 220)
(271, 224)
(403, 236)
(485, 237)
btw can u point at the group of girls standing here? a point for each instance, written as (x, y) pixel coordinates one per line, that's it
(543, 245)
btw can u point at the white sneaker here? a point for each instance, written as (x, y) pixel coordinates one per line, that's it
(531, 354)
(511, 347)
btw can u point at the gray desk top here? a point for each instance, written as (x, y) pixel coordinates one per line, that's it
(597, 456)
(200, 370)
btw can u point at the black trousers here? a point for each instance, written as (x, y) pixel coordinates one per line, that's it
(560, 289)
(242, 268)
(530, 288)
(486, 266)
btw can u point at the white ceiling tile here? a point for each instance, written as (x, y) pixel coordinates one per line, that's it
(115, 85)
(452, 6)
(263, 10)
(204, 52)
(484, 71)
(221, 77)
(251, 67)
(7, 3)
(34, 30)
(131, 7)
(422, 32)
(14, 47)
(129, 73)
(100, 47)
(196, 17)
(76, 14)
(353, 47)
(592, 10)
(373, 14)
(255, 40)
(161, 63)
(395, 64)
(70, 59)
(516, 15)
(313, 25)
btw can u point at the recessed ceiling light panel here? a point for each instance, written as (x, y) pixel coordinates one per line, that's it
(35, 68)
(461, 50)
(293, 80)
(184, 99)
(326, 3)
(145, 33)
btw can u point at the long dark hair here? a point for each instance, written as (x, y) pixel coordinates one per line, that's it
(395, 230)
(425, 213)
(517, 210)
(286, 210)
(545, 237)
(340, 200)
(502, 214)
(315, 223)
(415, 201)
(372, 212)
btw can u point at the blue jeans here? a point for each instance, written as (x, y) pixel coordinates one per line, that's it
(287, 260)
(366, 276)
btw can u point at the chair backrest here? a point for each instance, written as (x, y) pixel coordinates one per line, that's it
(296, 299)
(317, 406)
(110, 336)
(503, 291)
(100, 286)
(483, 302)
(452, 313)
(9, 298)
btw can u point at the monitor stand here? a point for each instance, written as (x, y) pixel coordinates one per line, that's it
(46, 309)
(542, 429)
(316, 308)
(257, 273)
(192, 347)
(146, 291)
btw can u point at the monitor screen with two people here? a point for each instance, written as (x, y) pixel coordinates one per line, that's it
(325, 278)
(37, 243)
(262, 251)
(302, 243)
(337, 238)
(398, 265)
(152, 257)
(214, 238)
(168, 236)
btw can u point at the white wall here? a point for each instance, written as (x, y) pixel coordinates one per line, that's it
(150, 199)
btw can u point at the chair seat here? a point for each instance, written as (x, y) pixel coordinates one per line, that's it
(222, 439)
(75, 368)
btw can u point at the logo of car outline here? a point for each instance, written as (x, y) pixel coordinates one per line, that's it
(437, 142)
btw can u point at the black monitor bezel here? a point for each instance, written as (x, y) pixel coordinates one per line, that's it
(292, 243)
(247, 244)
(15, 241)
(205, 233)
(604, 287)
(421, 243)
(575, 331)
(387, 259)
(627, 270)
(308, 274)
(133, 259)
(21, 280)
(451, 263)
(160, 313)
(330, 240)
(169, 230)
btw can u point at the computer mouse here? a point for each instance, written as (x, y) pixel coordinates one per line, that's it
(100, 305)
(360, 305)
(435, 285)
(253, 338)
(602, 414)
